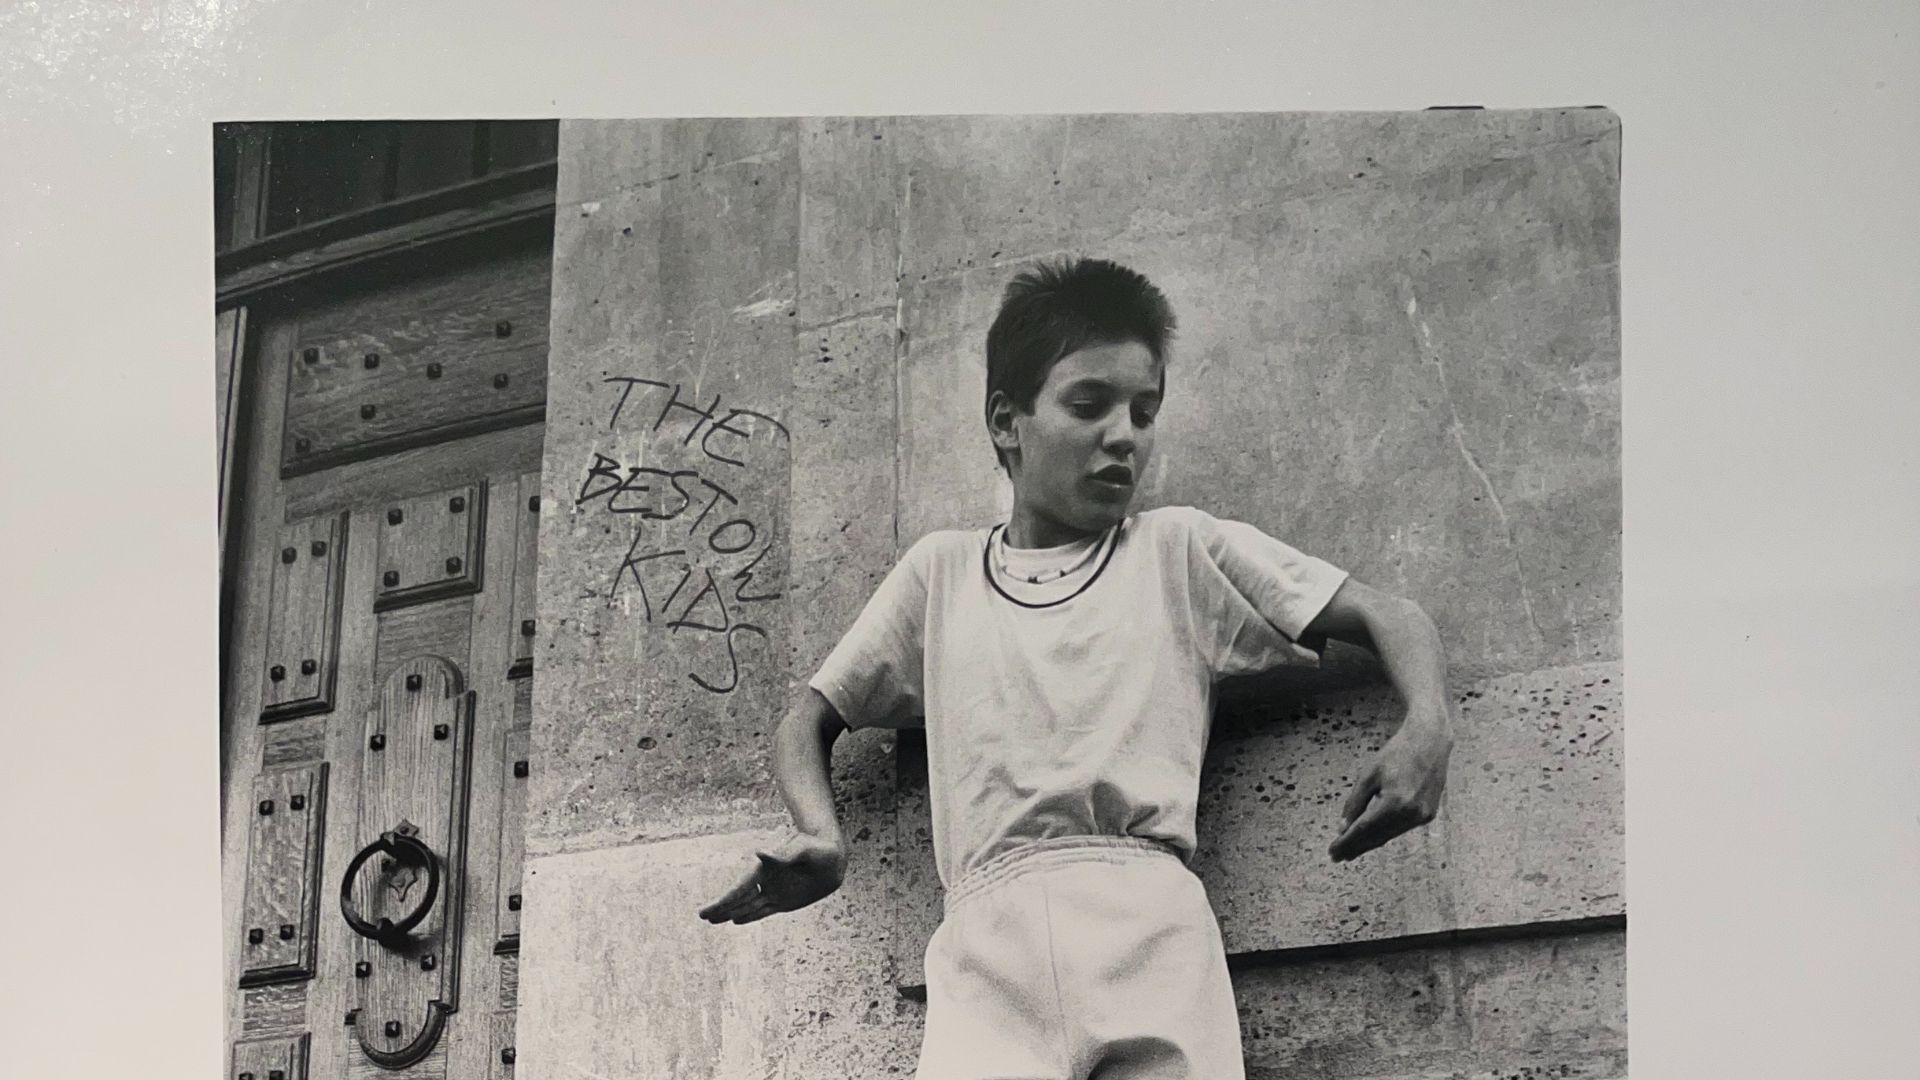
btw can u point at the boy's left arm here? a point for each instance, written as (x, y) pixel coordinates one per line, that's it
(1401, 790)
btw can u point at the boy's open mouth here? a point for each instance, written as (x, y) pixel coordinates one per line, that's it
(1118, 475)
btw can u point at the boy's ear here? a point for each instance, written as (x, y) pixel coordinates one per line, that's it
(1000, 413)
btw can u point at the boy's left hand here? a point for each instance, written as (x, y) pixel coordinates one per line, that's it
(797, 873)
(1399, 792)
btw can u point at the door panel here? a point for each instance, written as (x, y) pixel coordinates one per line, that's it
(457, 351)
(294, 742)
(408, 877)
(274, 1010)
(283, 874)
(406, 473)
(430, 546)
(270, 1059)
(303, 621)
(423, 664)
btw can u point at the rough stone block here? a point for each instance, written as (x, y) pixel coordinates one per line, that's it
(1541, 1008)
(845, 385)
(990, 190)
(668, 424)
(626, 980)
(1532, 830)
(845, 1016)
(917, 894)
(620, 977)
(604, 319)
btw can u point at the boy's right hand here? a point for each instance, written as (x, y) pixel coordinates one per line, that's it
(804, 869)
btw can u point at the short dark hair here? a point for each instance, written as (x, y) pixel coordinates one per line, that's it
(1058, 308)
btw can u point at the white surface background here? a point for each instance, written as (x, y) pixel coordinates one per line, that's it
(1771, 268)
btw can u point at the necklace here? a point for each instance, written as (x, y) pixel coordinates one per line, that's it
(1044, 576)
(986, 568)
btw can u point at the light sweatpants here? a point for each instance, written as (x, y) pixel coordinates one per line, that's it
(1080, 958)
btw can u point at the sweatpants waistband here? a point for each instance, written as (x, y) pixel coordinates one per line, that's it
(1052, 851)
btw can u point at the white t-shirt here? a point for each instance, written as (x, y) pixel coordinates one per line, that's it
(1089, 717)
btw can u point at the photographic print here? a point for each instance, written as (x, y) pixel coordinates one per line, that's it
(1070, 597)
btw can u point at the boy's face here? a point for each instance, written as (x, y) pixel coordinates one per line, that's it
(1083, 448)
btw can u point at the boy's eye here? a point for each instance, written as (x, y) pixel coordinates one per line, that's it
(1085, 410)
(1143, 415)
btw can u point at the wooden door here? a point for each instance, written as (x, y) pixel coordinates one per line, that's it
(379, 666)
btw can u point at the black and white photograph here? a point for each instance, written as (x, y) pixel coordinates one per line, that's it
(1069, 597)
(1087, 540)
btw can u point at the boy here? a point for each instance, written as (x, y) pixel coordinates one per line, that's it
(1063, 666)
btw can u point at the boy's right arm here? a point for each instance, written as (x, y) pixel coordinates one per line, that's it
(810, 865)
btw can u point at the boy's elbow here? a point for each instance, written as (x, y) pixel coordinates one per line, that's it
(812, 715)
(1407, 614)
(1384, 617)
(1409, 610)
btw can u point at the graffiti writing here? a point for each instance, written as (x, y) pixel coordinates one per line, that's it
(707, 419)
(696, 554)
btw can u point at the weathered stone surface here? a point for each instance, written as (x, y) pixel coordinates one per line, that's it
(1398, 345)
(917, 895)
(980, 191)
(845, 1016)
(845, 535)
(1132, 178)
(620, 977)
(949, 478)
(1537, 1008)
(852, 187)
(844, 530)
(995, 190)
(605, 156)
(1532, 829)
(1399, 350)
(665, 571)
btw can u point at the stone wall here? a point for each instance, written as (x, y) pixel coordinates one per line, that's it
(1398, 350)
